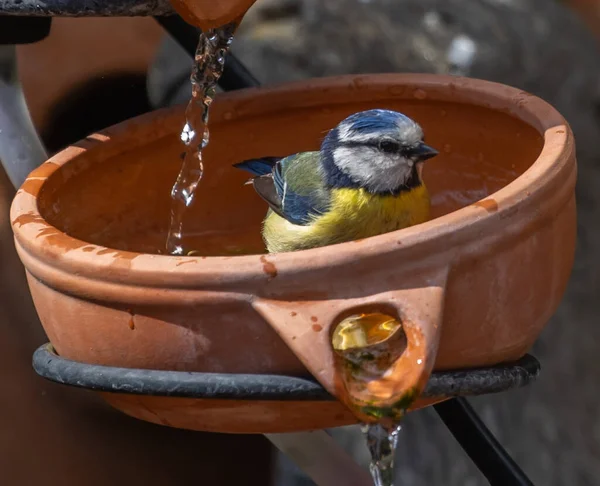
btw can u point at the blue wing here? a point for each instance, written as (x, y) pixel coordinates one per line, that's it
(292, 186)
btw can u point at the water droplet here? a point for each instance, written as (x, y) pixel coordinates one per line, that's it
(447, 148)
(420, 94)
(397, 90)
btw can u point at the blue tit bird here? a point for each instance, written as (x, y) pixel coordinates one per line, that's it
(364, 181)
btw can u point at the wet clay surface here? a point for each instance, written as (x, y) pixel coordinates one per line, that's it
(124, 202)
(227, 416)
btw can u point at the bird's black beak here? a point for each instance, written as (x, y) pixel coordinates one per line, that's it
(423, 152)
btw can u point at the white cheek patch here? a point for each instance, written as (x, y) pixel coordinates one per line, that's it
(372, 169)
(352, 161)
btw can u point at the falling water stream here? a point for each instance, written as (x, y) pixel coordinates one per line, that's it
(382, 441)
(209, 63)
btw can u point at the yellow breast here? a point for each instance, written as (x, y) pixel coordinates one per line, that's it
(354, 214)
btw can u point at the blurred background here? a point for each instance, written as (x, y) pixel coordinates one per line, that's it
(92, 73)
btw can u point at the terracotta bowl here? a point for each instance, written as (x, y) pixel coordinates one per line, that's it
(474, 286)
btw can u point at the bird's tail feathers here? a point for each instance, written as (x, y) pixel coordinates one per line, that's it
(258, 167)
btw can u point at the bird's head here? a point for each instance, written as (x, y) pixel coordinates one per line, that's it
(381, 151)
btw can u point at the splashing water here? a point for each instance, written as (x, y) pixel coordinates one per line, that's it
(382, 441)
(209, 63)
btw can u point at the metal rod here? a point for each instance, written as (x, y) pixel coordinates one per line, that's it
(481, 446)
(321, 458)
(235, 76)
(228, 386)
(86, 8)
(21, 149)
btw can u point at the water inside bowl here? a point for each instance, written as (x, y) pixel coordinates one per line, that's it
(123, 202)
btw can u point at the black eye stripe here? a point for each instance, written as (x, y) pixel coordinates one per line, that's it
(376, 144)
(358, 144)
(389, 146)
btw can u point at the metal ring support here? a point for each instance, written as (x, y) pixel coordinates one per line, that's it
(48, 364)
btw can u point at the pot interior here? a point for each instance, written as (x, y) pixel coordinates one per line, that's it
(123, 201)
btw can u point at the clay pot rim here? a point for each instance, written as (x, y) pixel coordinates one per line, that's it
(458, 228)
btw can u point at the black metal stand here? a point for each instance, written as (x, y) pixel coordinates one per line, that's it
(479, 443)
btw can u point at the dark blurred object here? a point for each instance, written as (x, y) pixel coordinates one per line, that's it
(21, 30)
(169, 75)
(93, 106)
(80, 52)
(89, 8)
